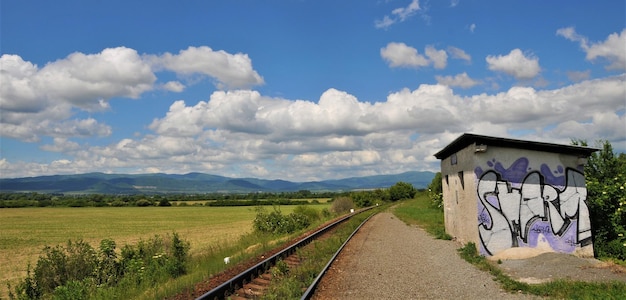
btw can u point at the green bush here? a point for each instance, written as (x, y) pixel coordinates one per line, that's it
(76, 270)
(342, 205)
(150, 258)
(74, 290)
(144, 203)
(108, 271)
(297, 222)
(59, 265)
(277, 223)
(267, 222)
(401, 190)
(370, 198)
(435, 192)
(118, 203)
(179, 251)
(164, 202)
(26, 289)
(363, 198)
(311, 213)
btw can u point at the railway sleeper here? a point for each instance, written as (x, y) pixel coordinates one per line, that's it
(292, 260)
(257, 285)
(249, 291)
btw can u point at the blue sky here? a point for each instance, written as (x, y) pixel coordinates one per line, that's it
(299, 90)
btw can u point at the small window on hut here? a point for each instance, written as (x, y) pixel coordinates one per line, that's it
(453, 159)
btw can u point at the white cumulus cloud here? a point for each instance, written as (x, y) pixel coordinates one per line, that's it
(339, 132)
(439, 58)
(613, 49)
(174, 86)
(458, 53)
(461, 80)
(515, 64)
(402, 55)
(399, 14)
(38, 102)
(242, 132)
(230, 70)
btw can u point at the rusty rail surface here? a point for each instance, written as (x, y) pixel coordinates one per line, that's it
(226, 289)
(311, 290)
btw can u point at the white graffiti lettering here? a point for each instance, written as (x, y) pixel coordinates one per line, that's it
(509, 215)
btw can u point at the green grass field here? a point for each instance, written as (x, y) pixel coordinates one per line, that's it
(25, 231)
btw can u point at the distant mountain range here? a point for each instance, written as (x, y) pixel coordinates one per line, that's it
(100, 183)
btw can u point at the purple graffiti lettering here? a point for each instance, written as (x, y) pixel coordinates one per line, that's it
(553, 179)
(478, 171)
(484, 219)
(516, 172)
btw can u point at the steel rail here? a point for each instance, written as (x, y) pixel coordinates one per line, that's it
(311, 290)
(227, 288)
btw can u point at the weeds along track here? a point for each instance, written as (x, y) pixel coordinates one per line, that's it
(254, 281)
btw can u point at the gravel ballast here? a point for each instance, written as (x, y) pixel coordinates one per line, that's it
(388, 259)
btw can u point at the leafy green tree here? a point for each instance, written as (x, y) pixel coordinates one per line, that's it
(363, 198)
(381, 194)
(401, 190)
(164, 202)
(303, 194)
(605, 174)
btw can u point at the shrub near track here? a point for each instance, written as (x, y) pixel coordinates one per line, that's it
(78, 271)
(275, 222)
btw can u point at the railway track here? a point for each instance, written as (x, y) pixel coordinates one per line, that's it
(253, 282)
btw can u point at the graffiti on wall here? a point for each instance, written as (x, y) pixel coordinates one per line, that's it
(522, 207)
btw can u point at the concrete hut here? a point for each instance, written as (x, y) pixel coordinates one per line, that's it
(508, 195)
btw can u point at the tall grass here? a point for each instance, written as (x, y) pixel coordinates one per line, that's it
(419, 211)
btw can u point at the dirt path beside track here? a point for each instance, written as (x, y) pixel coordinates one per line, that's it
(388, 259)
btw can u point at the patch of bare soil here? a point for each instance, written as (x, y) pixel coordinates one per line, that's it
(551, 266)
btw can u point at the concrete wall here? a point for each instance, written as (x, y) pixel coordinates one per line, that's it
(459, 195)
(519, 200)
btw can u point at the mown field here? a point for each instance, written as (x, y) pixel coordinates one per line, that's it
(24, 232)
